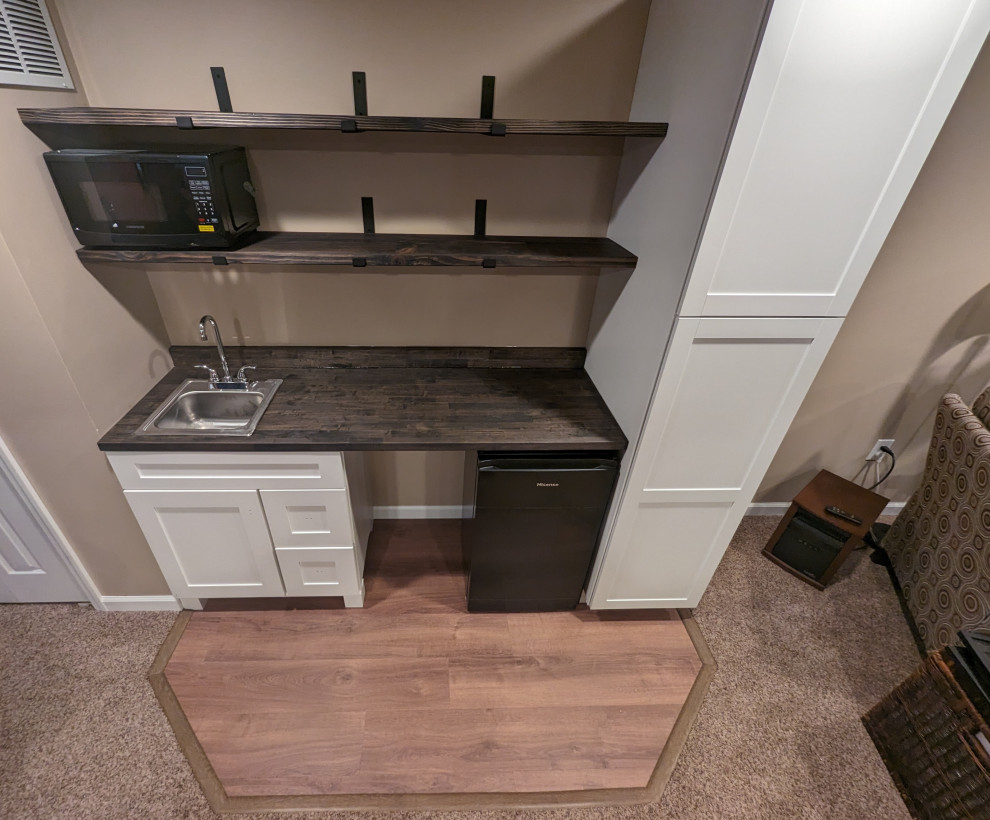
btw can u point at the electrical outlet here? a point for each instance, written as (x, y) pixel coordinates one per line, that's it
(875, 453)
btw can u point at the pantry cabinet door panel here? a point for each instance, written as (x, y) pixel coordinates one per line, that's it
(652, 574)
(728, 392)
(843, 105)
(734, 376)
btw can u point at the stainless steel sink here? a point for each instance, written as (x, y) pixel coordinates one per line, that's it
(195, 407)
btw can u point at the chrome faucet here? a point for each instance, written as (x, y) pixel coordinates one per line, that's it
(216, 334)
(240, 380)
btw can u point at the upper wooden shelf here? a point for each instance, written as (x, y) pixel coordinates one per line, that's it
(360, 250)
(48, 123)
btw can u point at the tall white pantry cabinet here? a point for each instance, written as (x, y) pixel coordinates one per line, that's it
(843, 104)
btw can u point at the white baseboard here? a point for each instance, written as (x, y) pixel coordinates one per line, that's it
(780, 507)
(455, 511)
(140, 603)
(422, 511)
(769, 508)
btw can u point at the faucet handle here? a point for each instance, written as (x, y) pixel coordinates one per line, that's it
(243, 370)
(214, 378)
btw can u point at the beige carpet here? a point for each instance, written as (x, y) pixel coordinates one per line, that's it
(778, 736)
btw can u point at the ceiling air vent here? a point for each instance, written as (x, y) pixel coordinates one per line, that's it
(29, 50)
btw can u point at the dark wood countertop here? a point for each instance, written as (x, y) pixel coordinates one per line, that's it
(354, 398)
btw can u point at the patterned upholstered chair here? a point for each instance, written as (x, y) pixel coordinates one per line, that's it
(939, 545)
(981, 407)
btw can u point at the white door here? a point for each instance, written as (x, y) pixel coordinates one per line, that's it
(727, 395)
(31, 566)
(209, 543)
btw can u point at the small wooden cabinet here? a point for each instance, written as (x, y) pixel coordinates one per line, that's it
(812, 540)
(248, 524)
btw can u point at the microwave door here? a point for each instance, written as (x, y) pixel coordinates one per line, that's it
(148, 199)
(122, 202)
(114, 202)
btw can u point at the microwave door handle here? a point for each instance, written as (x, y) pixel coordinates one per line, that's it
(141, 177)
(104, 202)
(108, 209)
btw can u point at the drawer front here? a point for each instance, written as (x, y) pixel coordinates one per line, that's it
(319, 570)
(227, 471)
(308, 518)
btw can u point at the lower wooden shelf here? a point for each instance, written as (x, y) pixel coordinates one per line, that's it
(360, 250)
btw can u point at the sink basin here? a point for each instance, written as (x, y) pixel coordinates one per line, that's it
(195, 407)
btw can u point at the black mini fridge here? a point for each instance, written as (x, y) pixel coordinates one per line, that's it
(538, 518)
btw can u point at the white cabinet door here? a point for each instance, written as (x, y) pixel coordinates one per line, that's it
(727, 395)
(843, 105)
(209, 543)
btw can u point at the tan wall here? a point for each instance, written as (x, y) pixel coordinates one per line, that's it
(920, 326)
(78, 347)
(556, 59)
(86, 344)
(417, 479)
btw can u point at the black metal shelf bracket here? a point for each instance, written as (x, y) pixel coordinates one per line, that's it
(488, 105)
(220, 260)
(360, 83)
(220, 86)
(480, 216)
(368, 213)
(359, 262)
(487, 97)
(488, 262)
(184, 123)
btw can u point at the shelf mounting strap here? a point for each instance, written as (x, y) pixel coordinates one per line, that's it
(220, 86)
(368, 213)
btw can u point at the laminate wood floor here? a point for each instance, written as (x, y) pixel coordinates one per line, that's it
(414, 695)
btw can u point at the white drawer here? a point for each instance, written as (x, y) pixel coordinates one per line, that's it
(320, 571)
(308, 518)
(227, 471)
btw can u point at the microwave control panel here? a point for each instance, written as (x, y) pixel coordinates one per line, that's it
(202, 194)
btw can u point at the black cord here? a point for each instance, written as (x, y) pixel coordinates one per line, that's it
(886, 475)
(870, 539)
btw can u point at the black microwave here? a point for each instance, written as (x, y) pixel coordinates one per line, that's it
(200, 198)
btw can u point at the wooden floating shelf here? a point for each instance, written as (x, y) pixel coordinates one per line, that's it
(46, 118)
(360, 250)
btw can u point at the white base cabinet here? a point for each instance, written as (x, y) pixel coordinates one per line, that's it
(241, 525)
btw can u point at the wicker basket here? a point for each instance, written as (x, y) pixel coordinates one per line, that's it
(925, 731)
